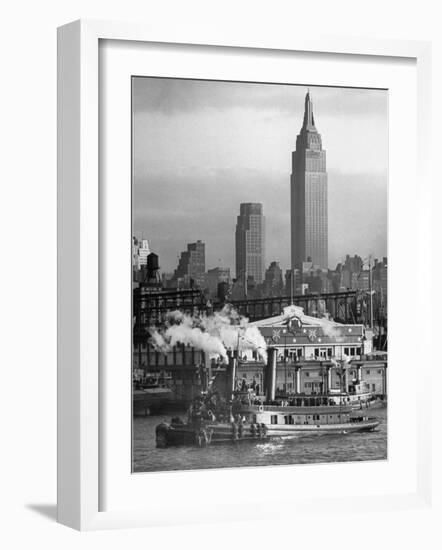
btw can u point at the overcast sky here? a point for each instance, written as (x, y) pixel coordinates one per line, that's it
(203, 147)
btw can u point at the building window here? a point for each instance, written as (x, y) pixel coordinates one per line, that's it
(367, 371)
(274, 419)
(346, 351)
(379, 372)
(307, 374)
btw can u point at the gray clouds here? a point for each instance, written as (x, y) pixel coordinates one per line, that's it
(171, 96)
(201, 148)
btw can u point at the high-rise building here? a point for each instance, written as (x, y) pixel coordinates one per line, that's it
(309, 205)
(380, 278)
(250, 242)
(143, 252)
(216, 276)
(192, 265)
(135, 248)
(273, 284)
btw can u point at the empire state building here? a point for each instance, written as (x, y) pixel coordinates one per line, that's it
(309, 204)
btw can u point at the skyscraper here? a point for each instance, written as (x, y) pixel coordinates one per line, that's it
(250, 242)
(192, 265)
(273, 283)
(143, 252)
(309, 204)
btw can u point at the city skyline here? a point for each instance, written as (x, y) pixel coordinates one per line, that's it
(190, 176)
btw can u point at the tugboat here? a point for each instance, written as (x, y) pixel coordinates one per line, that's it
(201, 432)
(210, 422)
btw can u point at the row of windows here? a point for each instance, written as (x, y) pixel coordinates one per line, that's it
(352, 351)
(292, 419)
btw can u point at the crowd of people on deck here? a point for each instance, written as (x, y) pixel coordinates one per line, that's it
(212, 407)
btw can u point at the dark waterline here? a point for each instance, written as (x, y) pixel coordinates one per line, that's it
(301, 450)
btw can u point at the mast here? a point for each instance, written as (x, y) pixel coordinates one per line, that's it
(370, 289)
(340, 389)
(291, 286)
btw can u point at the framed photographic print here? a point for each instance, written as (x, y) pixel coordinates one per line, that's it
(228, 214)
(249, 336)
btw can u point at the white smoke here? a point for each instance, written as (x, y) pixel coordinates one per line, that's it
(332, 331)
(213, 334)
(328, 326)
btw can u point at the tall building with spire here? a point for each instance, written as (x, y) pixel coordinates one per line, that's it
(250, 242)
(309, 203)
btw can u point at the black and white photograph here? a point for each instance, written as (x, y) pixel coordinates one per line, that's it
(259, 274)
(221, 225)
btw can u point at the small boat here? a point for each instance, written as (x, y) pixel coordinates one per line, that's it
(360, 397)
(151, 396)
(356, 401)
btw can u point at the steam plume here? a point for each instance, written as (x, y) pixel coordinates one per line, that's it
(213, 334)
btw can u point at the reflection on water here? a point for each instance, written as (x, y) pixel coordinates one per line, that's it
(299, 450)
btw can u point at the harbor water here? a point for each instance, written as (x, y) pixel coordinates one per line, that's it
(299, 450)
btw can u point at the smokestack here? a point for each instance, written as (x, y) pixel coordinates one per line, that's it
(208, 364)
(207, 371)
(270, 375)
(231, 375)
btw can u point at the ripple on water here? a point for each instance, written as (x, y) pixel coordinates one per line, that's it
(298, 450)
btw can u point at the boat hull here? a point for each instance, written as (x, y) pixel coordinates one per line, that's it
(205, 435)
(217, 433)
(151, 400)
(309, 429)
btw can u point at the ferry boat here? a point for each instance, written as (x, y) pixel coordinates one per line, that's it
(286, 420)
(261, 420)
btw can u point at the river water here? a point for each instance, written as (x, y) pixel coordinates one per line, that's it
(300, 450)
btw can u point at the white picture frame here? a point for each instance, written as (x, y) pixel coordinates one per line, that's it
(79, 292)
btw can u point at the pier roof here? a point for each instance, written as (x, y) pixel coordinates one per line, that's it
(296, 313)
